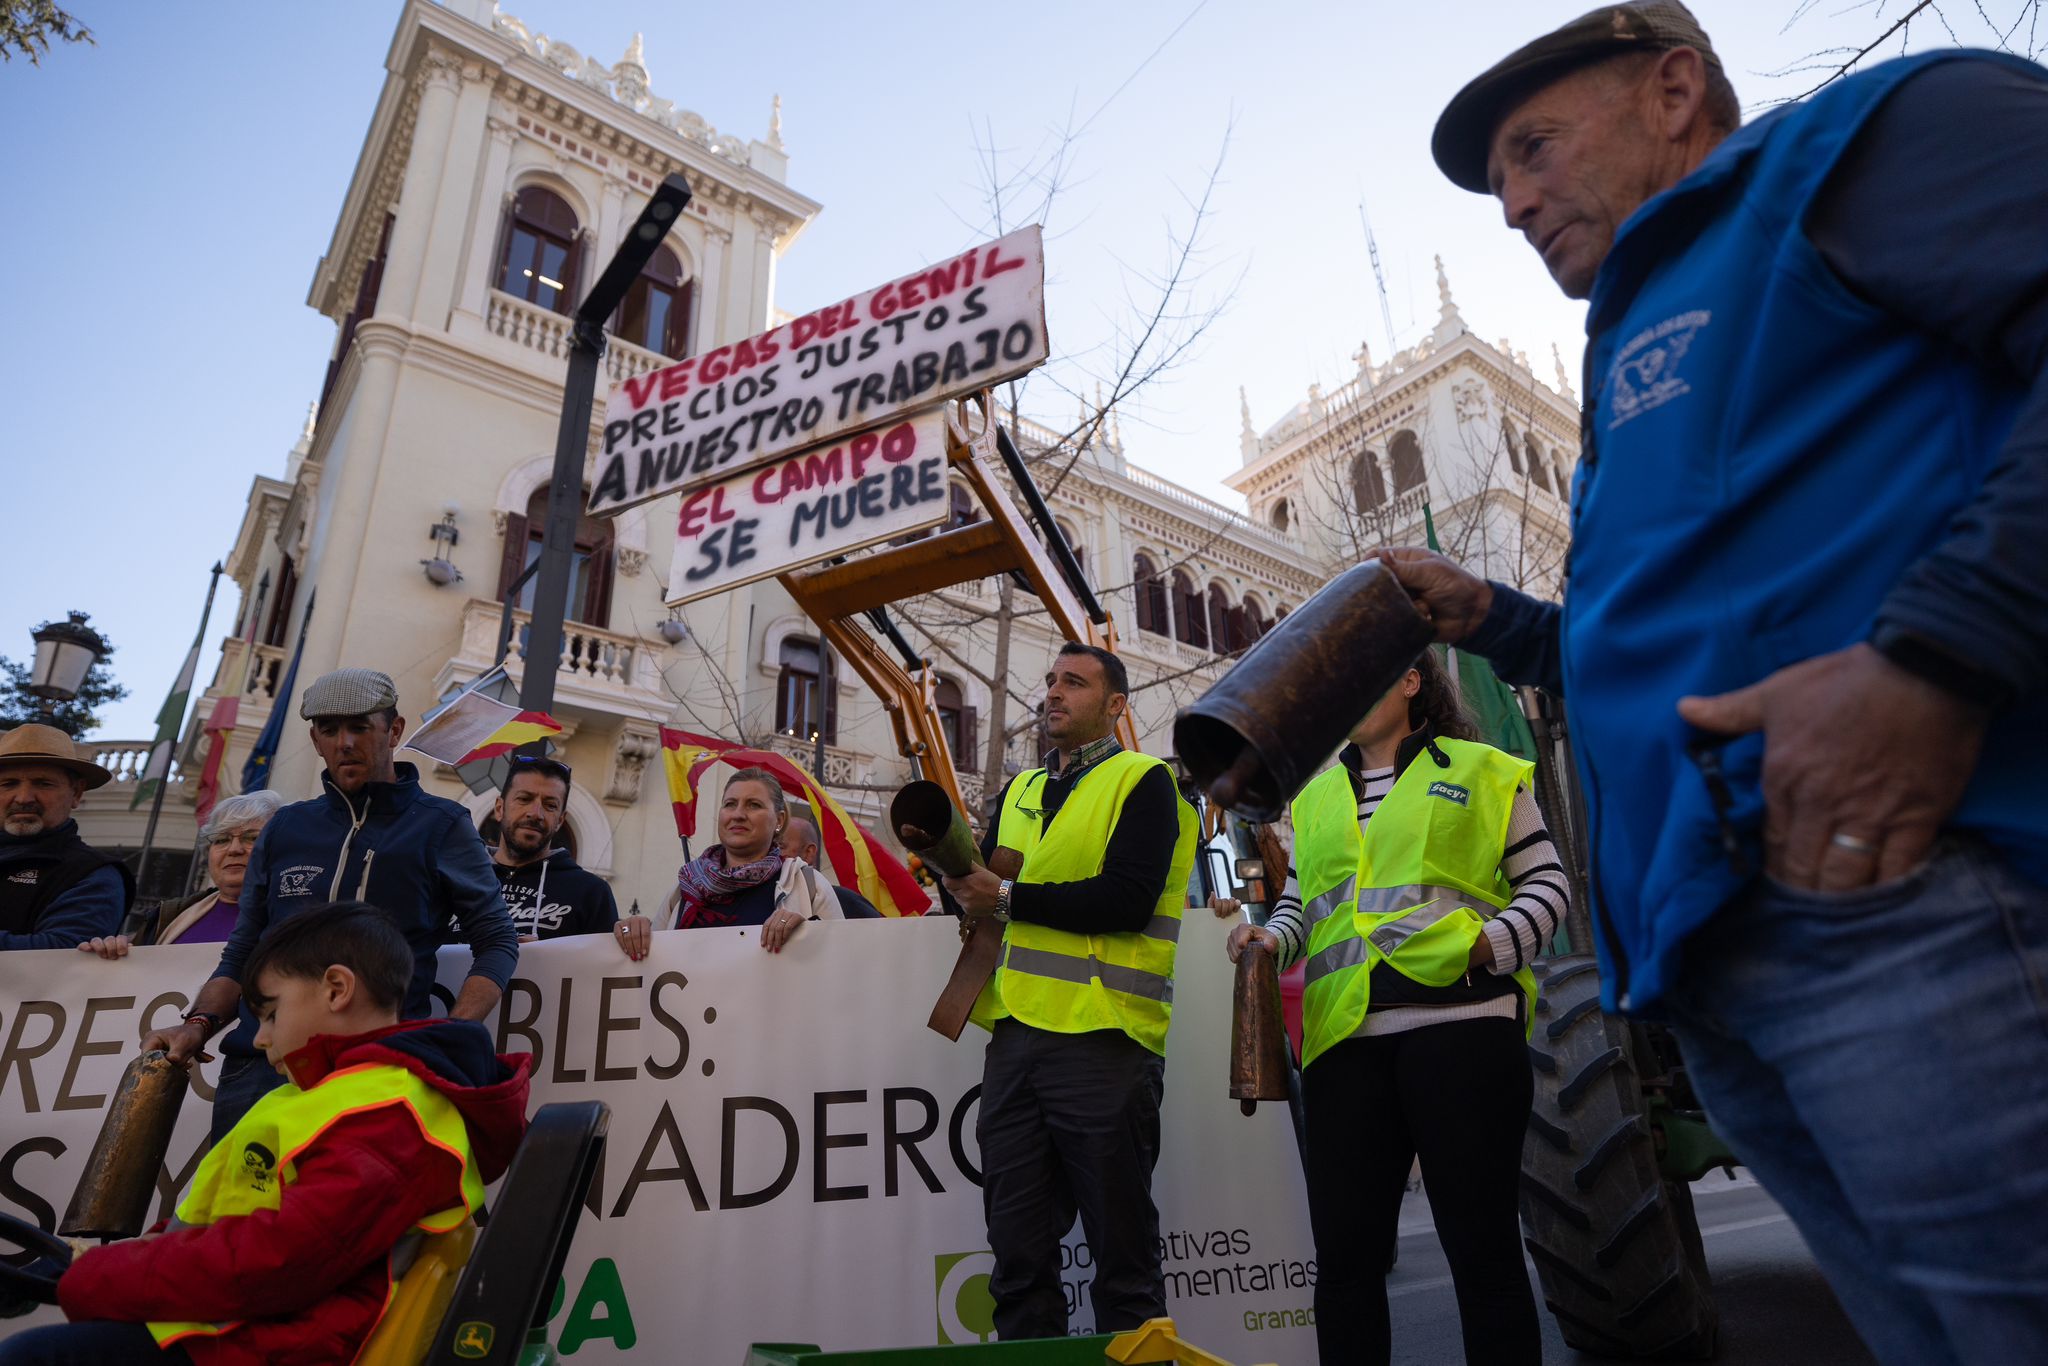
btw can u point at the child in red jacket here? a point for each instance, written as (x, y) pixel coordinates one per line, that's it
(287, 1246)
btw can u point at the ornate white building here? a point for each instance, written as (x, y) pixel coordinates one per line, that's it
(501, 168)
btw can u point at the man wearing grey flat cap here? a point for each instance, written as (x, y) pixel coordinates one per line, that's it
(1804, 642)
(372, 836)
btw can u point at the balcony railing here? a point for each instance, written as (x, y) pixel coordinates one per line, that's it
(125, 759)
(598, 669)
(543, 330)
(843, 767)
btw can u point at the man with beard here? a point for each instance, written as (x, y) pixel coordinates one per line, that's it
(55, 891)
(547, 894)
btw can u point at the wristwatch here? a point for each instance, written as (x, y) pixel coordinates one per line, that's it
(1002, 910)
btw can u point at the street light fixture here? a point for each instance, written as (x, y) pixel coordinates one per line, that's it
(572, 438)
(65, 654)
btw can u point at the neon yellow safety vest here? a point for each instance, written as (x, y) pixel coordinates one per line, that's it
(1073, 983)
(248, 1170)
(1407, 889)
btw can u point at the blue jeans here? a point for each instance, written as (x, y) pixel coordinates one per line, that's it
(93, 1343)
(243, 1082)
(1879, 1059)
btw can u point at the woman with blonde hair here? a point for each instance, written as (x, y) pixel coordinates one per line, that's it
(745, 879)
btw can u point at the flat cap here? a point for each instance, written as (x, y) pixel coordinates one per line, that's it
(348, 692)
(1464, 131)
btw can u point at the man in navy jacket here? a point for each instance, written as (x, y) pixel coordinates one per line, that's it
(1804, 639)
(373, 836)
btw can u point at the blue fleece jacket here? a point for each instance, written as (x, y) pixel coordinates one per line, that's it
(1780, 461)
(406, 851)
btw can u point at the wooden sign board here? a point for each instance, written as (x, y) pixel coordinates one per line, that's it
(869, 487)
(971, 321)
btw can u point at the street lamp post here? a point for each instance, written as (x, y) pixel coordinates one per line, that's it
(572, 439)
(65, 654)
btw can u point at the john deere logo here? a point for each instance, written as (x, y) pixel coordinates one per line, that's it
(473, 1340)
(967, 1311)
(1451, 792)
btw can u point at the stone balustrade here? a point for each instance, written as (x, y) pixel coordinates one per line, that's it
(547, 332)
(598, 670)
(125, 759)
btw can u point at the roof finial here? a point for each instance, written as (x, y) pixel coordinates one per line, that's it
(312, 416)
(1564, 379)
(636, 53)
(1447, 309)
(1247, 439)
(775, 125)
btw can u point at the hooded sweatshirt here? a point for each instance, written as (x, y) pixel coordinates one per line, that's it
(306, 1282)
(551, 896)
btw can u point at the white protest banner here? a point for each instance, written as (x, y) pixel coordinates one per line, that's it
(970, 321)
(827, 501)
(791, 1156)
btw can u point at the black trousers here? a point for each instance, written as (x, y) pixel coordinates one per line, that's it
(1070, 1122)
(1457, 1096)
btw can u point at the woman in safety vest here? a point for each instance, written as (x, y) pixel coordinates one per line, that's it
(1424, 884)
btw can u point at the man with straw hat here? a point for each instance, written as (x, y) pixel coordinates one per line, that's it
(56, 891)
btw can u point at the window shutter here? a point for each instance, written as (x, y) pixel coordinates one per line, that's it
(828, 706)
(603, 562)
(514, 558)
(970, 739)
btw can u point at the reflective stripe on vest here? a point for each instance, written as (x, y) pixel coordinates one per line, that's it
(1413, 888)
(1073, 983)
(247, 1171)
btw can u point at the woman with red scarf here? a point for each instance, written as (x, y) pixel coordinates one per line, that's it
(745, 879)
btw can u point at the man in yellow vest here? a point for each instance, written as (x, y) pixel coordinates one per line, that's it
(288, 1242)
(1102, 846)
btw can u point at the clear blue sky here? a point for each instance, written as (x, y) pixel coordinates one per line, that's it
(170, 191)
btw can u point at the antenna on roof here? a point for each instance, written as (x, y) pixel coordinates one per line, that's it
(1372, 249)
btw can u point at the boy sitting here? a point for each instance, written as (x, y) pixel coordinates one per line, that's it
(283, 1249)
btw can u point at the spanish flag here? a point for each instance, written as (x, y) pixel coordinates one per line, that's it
(878, 876)
(522, 729)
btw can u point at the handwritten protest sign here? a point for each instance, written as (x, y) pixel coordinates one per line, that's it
(823, 502)
(970, 321)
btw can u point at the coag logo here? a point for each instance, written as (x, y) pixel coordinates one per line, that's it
(967, 1311)
(1451, 792)
(298, 880)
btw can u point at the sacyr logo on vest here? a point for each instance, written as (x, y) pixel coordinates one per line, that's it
(967, 1311)
(1451, 792)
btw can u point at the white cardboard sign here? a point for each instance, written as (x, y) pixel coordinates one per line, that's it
(970, 321)
(870, 487)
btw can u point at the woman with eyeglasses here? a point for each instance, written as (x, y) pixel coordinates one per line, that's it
(207, 918)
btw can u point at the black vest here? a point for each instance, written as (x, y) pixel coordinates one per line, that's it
(42, 869)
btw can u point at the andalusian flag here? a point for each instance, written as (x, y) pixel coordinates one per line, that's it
(171, 716)
(1490, 703)
(522, 729)
(877, 874)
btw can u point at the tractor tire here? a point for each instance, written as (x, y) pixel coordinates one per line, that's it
(1616, 1245)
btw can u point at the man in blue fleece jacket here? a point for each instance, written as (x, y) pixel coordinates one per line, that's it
(374, 836)
(1804, 638)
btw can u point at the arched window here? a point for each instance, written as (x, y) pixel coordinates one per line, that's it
(1368, 486)
(1188, 626)
(1404, 454)
(1536, 464)
(963, 508)
(590, 568)
(1150, 591)
(1507, 437)
(1255, 624)
(806, 700)
(1219, 615)
(656, 313)
(1281, 515)
(539, 264)
(1073, 543)
(956, 721)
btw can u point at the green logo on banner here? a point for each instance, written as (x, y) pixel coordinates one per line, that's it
(967, 1312)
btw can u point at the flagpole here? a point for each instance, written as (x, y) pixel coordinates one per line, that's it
(163, 782)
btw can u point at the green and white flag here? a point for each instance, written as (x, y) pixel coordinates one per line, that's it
(168, 722)
(171, 718)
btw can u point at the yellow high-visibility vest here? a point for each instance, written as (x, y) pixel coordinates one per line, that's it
(1409, 889)
(1073, 983)
(248, 1170)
